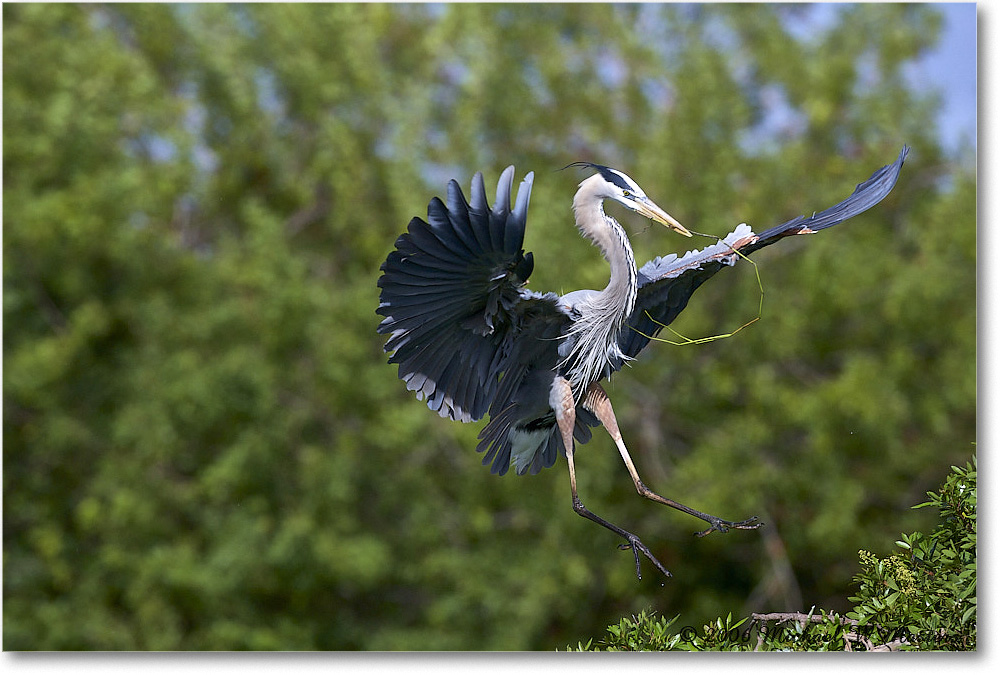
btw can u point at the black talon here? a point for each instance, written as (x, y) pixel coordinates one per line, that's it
(638, 547)
(720, 525)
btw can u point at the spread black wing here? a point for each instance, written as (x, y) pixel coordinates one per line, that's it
(666, 284)
(455, 309)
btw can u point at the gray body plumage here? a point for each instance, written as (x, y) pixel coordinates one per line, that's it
(472, 340)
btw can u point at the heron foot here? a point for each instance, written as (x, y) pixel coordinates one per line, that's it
(720, 525)
(638, 547)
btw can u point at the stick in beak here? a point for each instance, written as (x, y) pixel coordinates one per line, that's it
(654, 212)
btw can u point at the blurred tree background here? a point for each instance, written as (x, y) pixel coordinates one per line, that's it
(203, 445)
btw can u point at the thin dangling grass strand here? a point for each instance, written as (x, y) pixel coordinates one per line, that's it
(684, 340)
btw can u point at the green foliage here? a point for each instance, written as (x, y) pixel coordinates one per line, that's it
(922, 600)
(927, 592)
(648, 632)
(203, 445)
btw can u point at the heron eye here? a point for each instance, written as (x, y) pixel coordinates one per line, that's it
(626, 193)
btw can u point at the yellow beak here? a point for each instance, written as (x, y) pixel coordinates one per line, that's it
(654, 212)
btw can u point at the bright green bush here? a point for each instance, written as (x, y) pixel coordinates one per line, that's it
(923, 598)
(927, 591)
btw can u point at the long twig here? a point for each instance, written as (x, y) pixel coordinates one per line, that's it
(804, 619)
(800, 617)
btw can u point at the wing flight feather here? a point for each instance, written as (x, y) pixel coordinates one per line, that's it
(667, 283)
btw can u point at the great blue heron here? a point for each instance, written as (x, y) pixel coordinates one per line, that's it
(471, 339)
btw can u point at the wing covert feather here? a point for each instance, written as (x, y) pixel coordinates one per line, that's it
(666, 284)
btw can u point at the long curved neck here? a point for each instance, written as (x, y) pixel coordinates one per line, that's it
(594, 335)
(618, 297)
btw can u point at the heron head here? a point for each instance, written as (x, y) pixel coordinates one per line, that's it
(614, 184)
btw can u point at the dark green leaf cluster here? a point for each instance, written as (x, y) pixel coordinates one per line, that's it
(923, 599)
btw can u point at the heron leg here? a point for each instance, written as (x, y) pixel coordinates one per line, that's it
(597, 401)
(561, 399)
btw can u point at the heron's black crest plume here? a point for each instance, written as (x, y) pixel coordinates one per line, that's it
(613, 176)
(583, 165)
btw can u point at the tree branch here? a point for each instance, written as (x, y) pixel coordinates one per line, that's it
(803, 619)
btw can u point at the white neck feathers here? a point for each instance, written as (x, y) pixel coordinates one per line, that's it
(602, 315)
